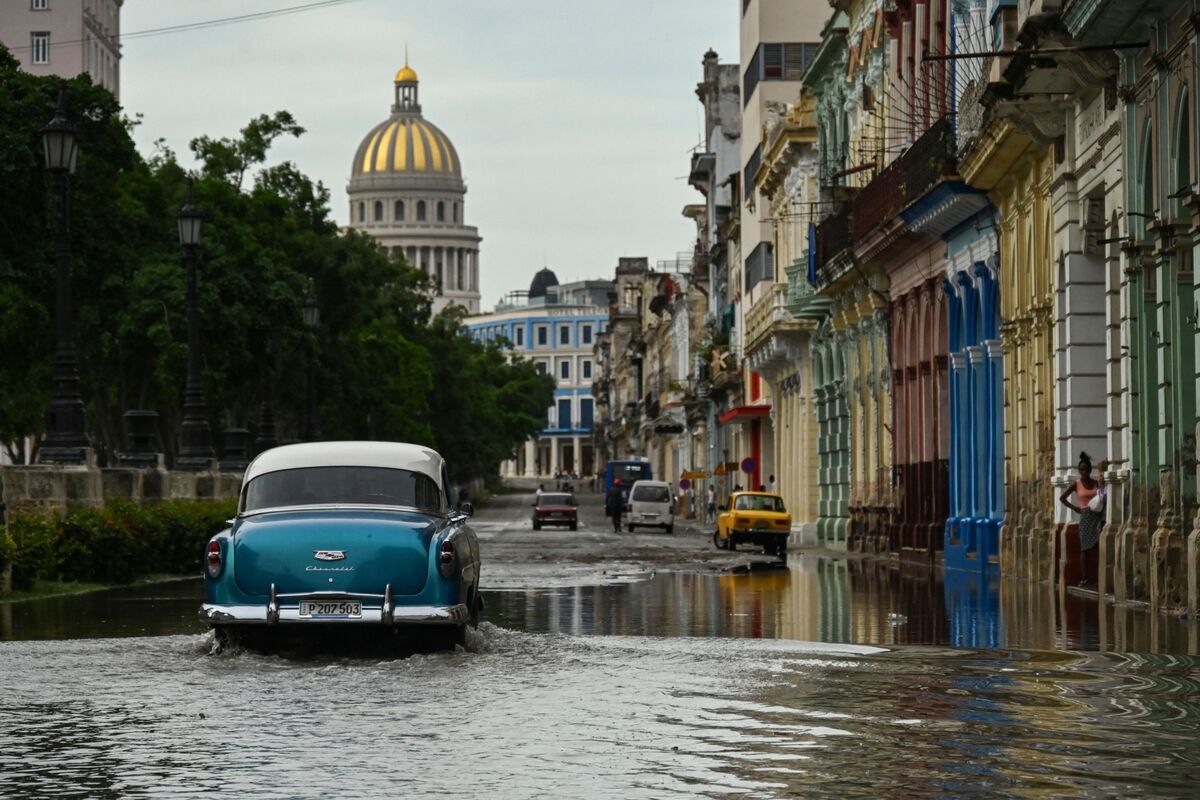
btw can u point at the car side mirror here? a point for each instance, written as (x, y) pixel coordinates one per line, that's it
(467, 509)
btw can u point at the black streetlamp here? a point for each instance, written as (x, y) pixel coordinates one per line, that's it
(195, 451)
(312, 321)
(66, 438)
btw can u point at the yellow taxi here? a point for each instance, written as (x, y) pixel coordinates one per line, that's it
(757, 518)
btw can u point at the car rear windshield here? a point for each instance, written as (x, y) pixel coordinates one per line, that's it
(556, 500)
(374, 486)
(758, 502)
(651, 494)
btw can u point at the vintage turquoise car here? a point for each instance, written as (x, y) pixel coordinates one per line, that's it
(338, 536)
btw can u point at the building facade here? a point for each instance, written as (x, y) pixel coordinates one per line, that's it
(556, 327)
(407, 192)
(66, 38)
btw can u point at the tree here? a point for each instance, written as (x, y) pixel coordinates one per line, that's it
(385, 370)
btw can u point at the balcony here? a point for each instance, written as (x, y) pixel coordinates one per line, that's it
(927, 163)
(920, 168)
(770, 309)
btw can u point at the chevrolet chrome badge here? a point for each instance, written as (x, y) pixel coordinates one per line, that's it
(329, 555)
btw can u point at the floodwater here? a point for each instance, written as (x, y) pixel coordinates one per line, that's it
(824, 678)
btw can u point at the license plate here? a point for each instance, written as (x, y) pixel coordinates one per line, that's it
(342, 609)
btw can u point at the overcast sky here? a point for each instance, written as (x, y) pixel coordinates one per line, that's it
(574, 120)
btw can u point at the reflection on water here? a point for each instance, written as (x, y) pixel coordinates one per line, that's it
(811, 599)
(837, 600)
(535, 715)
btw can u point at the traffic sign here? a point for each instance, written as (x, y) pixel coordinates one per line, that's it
(695, 475)
(748, 465)
(685, 484)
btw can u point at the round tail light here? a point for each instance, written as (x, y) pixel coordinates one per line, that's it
(213, 559)
(446, 558)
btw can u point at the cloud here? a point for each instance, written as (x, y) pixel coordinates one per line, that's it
(573, 121)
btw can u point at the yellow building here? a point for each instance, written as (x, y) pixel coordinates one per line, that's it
(1016, 171)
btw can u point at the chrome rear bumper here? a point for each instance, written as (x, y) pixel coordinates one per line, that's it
(385, 613)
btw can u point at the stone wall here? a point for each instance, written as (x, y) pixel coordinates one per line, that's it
(47, 489)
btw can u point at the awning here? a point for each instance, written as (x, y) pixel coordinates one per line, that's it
(743, 414)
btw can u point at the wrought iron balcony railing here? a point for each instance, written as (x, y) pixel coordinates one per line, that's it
(917, 170)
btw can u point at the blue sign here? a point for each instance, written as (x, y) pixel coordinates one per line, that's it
(685, 484)
(749, 465)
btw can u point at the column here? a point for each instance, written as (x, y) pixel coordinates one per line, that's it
(577, 455)
(553, 455)
(530, 459)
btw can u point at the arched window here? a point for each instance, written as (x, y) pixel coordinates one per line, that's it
(362, 212)
(379, 211)
(456, 212)
(1147, 179)
(399, 211)
(1182, 178)
(420, 211)
(441, 211)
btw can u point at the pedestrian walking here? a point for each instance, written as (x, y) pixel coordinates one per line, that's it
(614, 504)
(710, 506)
(1089, 504)
(771, 484)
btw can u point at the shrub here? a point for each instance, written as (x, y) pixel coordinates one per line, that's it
(116, 544)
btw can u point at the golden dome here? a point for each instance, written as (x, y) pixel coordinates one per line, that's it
(406, 74)
(407, 145)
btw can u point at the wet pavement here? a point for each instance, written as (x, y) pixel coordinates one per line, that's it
(643, 665)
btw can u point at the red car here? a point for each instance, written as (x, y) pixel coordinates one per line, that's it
(554, 508)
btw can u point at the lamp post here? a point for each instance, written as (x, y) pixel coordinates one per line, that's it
(312, 321)
(195, 451)
(66, 439)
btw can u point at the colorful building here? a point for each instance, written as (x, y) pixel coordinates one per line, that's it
(554, 326)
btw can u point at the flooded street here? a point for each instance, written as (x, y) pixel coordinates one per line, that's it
(737, 677)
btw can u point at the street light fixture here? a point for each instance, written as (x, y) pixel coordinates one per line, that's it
(312, 320)
(66, 437)
(195, 451)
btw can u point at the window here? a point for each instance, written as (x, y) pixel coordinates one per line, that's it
(585, 334)
(40, 5)
(41, 48)
(519, 333)
(456, 212)
(399, 211)
(760, 266)
(541, 367)
(362, 212)
(542, 336)
(564, 370)
(420, 211)
(379, 211)
(564, 334)
(585, 413)
(753, 164)
(587, 370)
(564, 413)
(441, 211)
(777, 61)
(372, 486)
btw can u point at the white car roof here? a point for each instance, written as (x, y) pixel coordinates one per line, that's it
(651, 483)
(394, 455)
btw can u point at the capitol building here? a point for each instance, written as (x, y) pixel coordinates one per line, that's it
(407, 192)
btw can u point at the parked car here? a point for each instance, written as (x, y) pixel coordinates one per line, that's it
(332, 535)
(757, 518)
(651, 506)
(555, 508)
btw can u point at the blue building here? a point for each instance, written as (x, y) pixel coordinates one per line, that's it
(555, 326)
(976, 507)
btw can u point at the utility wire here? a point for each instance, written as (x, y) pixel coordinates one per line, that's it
(211, 23)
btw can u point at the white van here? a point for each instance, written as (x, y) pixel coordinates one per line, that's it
(651, 506)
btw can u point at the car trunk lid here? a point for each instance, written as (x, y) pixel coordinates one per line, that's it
(358, 551)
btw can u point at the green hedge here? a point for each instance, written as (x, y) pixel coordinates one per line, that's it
(115, 544)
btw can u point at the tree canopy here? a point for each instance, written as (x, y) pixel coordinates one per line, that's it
(386, 370)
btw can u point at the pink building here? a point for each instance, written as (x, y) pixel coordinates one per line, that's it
(65, 37)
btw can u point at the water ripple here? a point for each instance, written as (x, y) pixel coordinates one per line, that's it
(520, 715)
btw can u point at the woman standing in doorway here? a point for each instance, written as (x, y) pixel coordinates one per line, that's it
(1090, 521)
